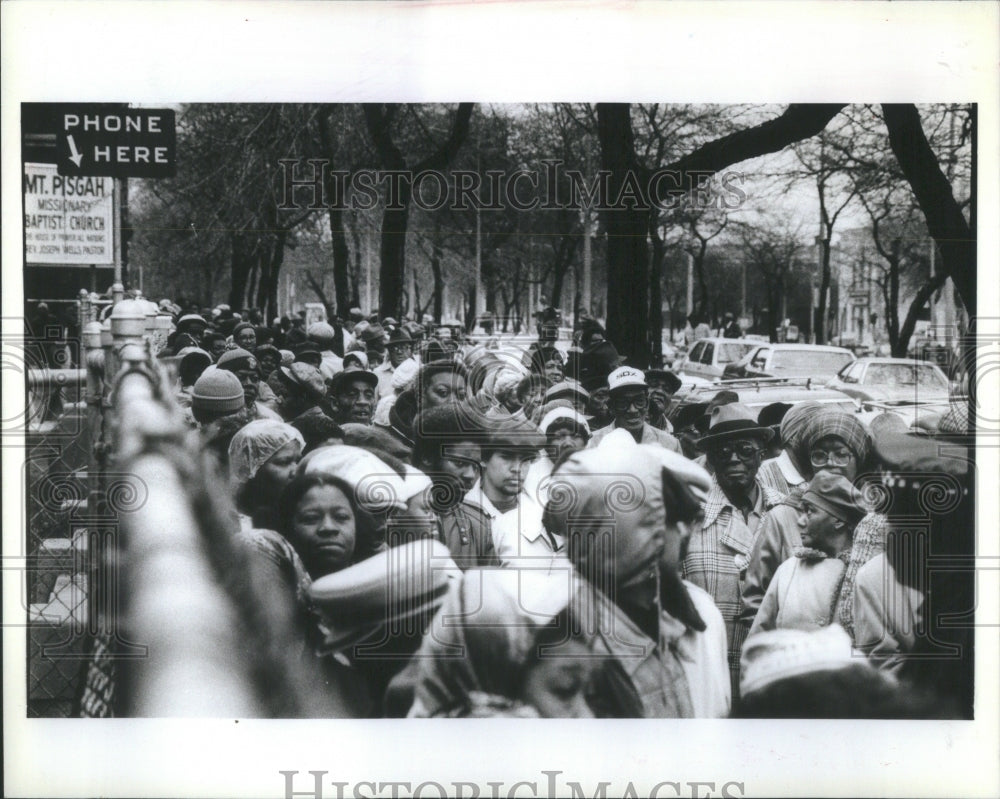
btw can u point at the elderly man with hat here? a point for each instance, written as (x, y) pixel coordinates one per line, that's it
(721, 543)
(629, 402)
(519, 536)
(353, 394)
(373, 337)
(324, 337)
(244, 365)
(804, 592)
(399, 347)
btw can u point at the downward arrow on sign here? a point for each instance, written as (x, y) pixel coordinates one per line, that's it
(75, 156)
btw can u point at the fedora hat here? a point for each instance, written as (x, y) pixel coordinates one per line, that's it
(730, 421)
(399, 336)
(385, 589)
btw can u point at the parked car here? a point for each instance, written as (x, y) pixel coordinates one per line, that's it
(755, 393)
(908, 387)
(708, 357)
(790, 360)
(892, 379)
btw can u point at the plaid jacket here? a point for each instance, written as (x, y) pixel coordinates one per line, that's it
(717, 556)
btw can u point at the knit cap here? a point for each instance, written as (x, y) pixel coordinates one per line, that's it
(774, 655)
(236, 359)
(217, 390)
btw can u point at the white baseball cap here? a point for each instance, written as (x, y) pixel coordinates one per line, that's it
(626, 376)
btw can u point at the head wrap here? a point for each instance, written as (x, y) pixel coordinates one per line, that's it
(793, 426)
(256, 443)
(624, 481)
(841, 425)
(491, 618)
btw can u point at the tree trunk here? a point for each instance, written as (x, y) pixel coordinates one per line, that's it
(393, 259)
(437, 272)
(628, 295)
(240, 267)
(338, 233)
(893, 308)
(378, 120)
(824, 287)
(656, 293)
(945, 222)
(267, 294)
(699, 268)
(919, 301)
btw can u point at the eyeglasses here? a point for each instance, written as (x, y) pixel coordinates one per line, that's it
(743, 450)
(840, 457)
(640, 402)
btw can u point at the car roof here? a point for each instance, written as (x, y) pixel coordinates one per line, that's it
(911, 361)
(765, 390)
(811, 347)
(716, 339)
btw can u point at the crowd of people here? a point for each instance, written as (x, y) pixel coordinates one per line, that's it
(438, 530)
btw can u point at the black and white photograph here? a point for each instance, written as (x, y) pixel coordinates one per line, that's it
(648, 437)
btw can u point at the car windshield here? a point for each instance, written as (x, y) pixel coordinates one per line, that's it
(809, 361)
(731, 351)
(904, 374)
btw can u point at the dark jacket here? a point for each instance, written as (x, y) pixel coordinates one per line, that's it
(467, 533)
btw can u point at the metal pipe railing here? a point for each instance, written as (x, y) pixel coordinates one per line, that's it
(174, 604)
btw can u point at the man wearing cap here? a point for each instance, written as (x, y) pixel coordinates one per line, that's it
(804, 591)
(299, 388)
(721, 543)
(216, 394)
(242, 364)
(324, 336)
(663, 384)
(399, 347)
(629, 401)
(353, 393)
(518, 534)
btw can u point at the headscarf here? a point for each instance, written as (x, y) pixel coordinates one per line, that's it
(618, 487)
(402, 376)
(793, 426)
(841, 425)
(255, 444)
(473, 660)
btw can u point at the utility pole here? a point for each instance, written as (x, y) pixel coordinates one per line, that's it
(588, 230)
(368, 271)
(690, 284)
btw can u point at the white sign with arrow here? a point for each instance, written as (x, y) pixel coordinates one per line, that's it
(74, 155)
